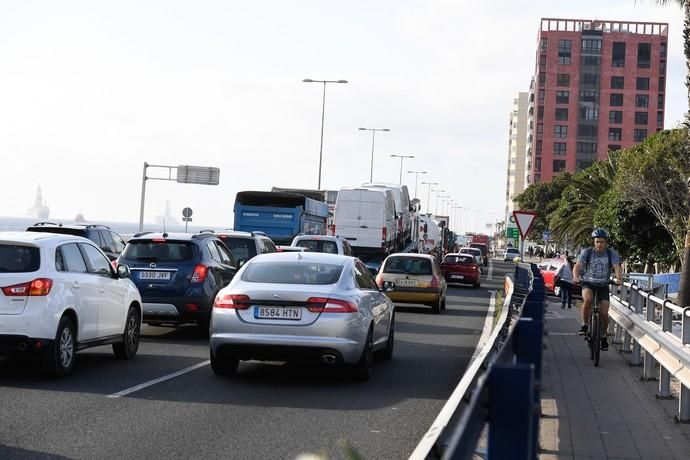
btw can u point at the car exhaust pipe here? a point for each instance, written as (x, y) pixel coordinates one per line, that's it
(328, 358)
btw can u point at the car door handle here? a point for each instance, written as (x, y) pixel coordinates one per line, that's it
(75, 285)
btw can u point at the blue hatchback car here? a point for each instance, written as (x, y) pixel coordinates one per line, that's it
(178, 275)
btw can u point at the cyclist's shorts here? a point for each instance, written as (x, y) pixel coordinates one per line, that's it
(598, 290)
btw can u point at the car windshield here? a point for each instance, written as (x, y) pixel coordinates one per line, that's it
(458, 260)
(19, 259)
(241, 248)
(168, 251)
(292, 273)
(408, 265)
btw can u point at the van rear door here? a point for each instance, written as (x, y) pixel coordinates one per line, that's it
(346, 218)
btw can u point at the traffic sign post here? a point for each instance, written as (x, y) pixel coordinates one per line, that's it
(186, 217)
(524, 221)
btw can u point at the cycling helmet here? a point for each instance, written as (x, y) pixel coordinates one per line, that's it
(600, 233)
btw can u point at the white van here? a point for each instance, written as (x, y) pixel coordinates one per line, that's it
(402, 207)
(366, 219)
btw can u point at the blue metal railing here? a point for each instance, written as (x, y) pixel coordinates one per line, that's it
(507, 396)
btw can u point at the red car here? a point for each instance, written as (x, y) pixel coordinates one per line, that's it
(548, 269)
(461, 268)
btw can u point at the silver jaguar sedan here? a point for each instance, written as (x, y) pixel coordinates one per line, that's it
(302, 306)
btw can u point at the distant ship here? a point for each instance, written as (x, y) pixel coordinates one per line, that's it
(40, 209)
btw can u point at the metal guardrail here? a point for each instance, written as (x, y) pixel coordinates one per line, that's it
(636, 322)
(506, 396)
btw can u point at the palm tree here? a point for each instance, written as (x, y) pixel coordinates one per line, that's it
(684, 288)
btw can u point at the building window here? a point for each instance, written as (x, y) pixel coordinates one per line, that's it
(644, 55)
(562, 114)
(591, 45)
(615, 116)
(564, 51)
(641, 100)
(616, 100)
(662, 67)
(537, 164)
(558, 165)
(660, 119)
(542, 79)
(614, 147)
(615, 134)
(660, 102)
(639, 135)
(563, 79)
(591, 60)
(642, 84)
(540, 113)
(539, 147)
(662, 49)
(542, 94)
(589, 113)
(542, 62)
(588, 96)
(618, 54)
(543, 45)
(540, 130)
(586, 147)
(559, 148)
(586, 131)
(562, 97)
(641, 118)
(560, 131)
(590, 79)
(617, 82)
(662, 84)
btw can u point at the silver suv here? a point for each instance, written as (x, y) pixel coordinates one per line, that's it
(323, 243)
(245, 245)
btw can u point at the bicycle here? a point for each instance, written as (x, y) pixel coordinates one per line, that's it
(594, 332)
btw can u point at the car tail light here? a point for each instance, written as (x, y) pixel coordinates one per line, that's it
(37, 287)
(328, 305)
(158, 240)
(379, 280)
(200, 272)
(113, 263)
(434, 282)
(233, 301)
(333, 229)
(191, 307)
(384, 233)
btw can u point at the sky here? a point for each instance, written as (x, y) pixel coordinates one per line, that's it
(90, 90)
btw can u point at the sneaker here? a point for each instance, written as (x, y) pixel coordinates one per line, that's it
(563, 306)
(583, 330)
(604, 344)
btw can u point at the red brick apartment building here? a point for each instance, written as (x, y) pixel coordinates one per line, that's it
(598, 86)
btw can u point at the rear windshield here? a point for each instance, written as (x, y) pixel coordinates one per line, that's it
(481, 247)
(408, 265)
(473, 251)
(241, 248)
(328, 247)
(292, 273)
(168, 251)
(19, 259)
(459, 260)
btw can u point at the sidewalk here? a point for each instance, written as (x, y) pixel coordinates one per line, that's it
(604, 412)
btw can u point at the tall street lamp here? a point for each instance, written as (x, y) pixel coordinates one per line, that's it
(402, 157)
(373, 134)
(323, 116)
(428, 195)
(440, 197)
(416, 176)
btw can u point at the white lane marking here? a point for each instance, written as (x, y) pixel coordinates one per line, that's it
(426, 443)
(490, 275)
(158, 380)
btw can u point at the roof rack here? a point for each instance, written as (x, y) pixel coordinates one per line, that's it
(137, 235)
(95, 226)
(38, 224)
(207, 231)
(258, 233)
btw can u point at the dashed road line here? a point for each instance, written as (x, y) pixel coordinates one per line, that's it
(141, 386)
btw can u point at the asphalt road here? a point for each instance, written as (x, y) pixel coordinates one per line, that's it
(269, 410)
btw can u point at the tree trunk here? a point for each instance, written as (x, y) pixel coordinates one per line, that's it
(684, 287)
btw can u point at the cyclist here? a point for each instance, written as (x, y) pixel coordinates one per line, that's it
(593, 269)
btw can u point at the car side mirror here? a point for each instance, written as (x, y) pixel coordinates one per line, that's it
(123, 271)
(388, 286)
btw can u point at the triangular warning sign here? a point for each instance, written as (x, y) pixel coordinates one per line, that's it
(524, 221)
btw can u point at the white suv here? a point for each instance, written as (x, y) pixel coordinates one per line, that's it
(323, 243)
(60, 294)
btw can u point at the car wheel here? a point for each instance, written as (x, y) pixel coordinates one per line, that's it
(60, 356)
(436, 306)
(443, 303)
(224, 364)
(476, 285)
(387, 353)
(364, 367)
(127, 349)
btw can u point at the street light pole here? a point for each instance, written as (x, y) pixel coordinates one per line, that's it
(428, 195)
(323, 117)
(441, 197)
(402, 157)
(373, 134)
(416, 176)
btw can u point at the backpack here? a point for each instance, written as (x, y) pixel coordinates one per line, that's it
(588, 259)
